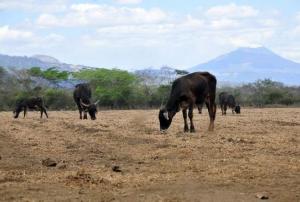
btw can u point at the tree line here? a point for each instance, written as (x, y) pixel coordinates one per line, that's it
(119, 89)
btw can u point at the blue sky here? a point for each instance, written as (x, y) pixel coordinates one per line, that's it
(132, 34)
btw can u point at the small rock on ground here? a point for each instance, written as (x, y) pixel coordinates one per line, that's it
(116, 169)
(48, 162)
(262, 195)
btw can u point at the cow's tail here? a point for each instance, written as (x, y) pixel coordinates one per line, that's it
(212, 84)
(212, 87)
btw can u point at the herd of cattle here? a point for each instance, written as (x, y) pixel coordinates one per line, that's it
(188, 91)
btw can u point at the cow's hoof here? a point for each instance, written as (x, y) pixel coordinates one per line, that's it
(186, 130)
(210, 129)
(192, 130)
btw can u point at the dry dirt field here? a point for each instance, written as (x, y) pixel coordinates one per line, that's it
(123, 157)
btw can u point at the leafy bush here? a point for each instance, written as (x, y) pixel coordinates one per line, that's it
(59, 99)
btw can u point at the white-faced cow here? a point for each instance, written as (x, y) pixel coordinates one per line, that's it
(189, 91)
(82, 96)
(227, 100)
(35, 103)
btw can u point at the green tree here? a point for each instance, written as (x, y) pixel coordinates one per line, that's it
(113, 87)
(59, 99)
(35, 71)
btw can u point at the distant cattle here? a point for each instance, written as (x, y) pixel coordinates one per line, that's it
(189, 91)
(227, 100)
(82, 96)
(35, 103)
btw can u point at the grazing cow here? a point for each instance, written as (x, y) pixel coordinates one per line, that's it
(36, 103)
(188, 91)
(225, 100)
(82, 95)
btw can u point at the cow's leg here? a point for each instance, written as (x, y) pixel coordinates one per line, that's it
(184, 113)
(25, 111)
(199, 106)
(45, 111)
(192, 128)
(222, 109)
(211, 106)
(41, 110)
(80, 111)
(84, 115)
(225, 108)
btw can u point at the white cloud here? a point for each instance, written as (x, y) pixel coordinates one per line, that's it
(242, 41)
(292, 52)
(53, 38)
(169, 37)
(17, 39)
(296, 31)
(128, 1)
(250, 38)
(6, 33)
(48, 20)
(298, 16)
(34, 5)
(102, 15)
(231, 11)
(146, 35)
(224, 24)
(269, 22)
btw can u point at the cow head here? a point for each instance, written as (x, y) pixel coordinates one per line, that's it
(91, 109)
(165, 119)
(237, 109)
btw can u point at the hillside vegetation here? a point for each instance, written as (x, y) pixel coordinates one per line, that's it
(119, 89)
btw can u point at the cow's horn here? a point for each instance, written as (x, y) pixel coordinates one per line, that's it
(97, 102)
(83, 104)
(162, 104)
(166, 115)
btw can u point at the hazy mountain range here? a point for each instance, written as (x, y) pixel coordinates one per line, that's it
(42, 61)
(242, 65)
(249, 64)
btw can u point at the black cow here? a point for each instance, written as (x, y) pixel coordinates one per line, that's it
(227, 100)
(35, 103)
(188, 91)
(82, 95)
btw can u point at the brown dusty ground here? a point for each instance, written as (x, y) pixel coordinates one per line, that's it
(257, 151)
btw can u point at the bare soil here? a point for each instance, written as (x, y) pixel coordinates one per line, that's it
(122, 156)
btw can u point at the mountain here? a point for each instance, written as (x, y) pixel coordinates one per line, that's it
(150, 76)
(46, 58)
(250, 64)
(42, 61)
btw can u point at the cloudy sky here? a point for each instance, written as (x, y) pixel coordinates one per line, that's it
(131, 34)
